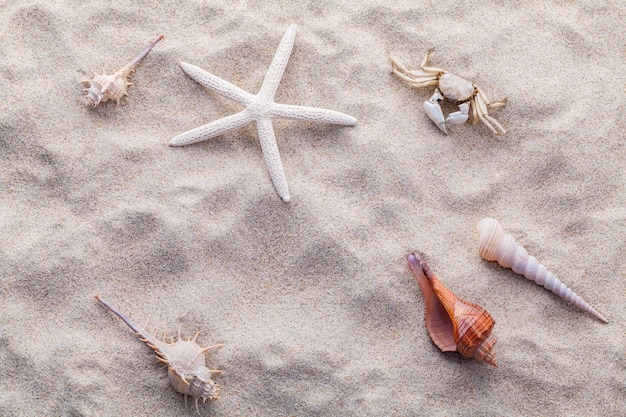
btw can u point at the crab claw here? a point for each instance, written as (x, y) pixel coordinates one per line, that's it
(459, 117)
(433, 110)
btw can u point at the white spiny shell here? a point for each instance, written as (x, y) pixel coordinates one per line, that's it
(103, 87)
(495, 245)
(187, 371)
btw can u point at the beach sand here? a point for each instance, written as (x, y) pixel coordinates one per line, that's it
(313, 299)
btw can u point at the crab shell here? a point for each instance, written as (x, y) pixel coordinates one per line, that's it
(455, 88)
(454, 324)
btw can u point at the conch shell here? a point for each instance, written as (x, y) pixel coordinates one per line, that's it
(454, 324)
(185, 361)
(103, 87)
(495, 245)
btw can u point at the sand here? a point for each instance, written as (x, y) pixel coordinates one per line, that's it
(313, 299)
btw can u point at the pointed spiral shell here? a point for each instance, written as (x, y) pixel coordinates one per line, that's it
(454, 324)
(495, 245)
(104, 87)
(187, 372)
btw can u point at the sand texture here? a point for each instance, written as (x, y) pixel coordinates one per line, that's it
(313, 299)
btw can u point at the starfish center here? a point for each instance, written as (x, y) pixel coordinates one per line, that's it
(257, 108)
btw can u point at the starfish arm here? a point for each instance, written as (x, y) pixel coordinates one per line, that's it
(277, 67)
(312, 114)
(272, 157)
(213, 129)
(217, 84)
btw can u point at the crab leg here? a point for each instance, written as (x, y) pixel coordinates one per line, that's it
(480, 109)
(423, 66)
(493, 105)
(415, 78)
(483, 98)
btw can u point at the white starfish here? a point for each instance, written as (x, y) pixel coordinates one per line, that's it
(260, 108)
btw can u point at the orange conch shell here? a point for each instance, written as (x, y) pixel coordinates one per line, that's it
(454, 324)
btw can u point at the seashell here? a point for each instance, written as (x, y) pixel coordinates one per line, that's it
(495, 245)
(103, 87)
(454, 324)
(187, 371)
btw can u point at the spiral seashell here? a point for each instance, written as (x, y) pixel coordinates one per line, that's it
(185, 361)
(103, 87)
(495, 245)
(454, 324)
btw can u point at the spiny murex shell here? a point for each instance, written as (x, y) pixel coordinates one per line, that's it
(495, 245)
(103, 87)
(187, 371)
(454, 324)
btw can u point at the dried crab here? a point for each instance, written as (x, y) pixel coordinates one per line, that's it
(459, 90)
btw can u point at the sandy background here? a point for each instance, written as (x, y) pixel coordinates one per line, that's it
(313, 299)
